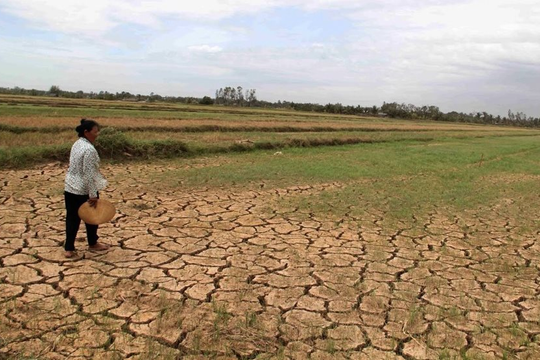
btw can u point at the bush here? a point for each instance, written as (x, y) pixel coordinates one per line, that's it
(207, 100)
(112, 143)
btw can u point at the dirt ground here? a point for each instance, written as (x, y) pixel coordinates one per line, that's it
(213, 274)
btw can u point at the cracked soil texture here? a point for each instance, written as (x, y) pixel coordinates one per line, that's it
(214, 274)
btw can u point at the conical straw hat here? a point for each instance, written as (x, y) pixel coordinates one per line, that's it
(102, 213)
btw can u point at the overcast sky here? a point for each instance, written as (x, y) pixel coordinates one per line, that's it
(464, 55)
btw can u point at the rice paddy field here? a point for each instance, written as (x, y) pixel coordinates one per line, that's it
(245, 233)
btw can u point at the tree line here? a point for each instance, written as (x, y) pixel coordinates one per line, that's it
(237, 96)
(55, 91)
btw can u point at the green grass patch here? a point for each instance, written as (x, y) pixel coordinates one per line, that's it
(399, 178)
(32, 155)
(50, 144)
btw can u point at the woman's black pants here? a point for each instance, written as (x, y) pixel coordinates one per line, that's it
(73, 221)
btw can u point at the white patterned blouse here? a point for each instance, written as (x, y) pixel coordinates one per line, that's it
(83, 176)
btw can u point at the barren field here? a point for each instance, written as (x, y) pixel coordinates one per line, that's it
(395, 250)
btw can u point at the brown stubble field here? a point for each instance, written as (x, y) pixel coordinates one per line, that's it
(201, 268)
(305, 123)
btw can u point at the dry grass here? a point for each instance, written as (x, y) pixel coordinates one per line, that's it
(9, 140)
(305, 123)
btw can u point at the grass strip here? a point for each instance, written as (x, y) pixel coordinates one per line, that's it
(127, 149)
(32, 155)
(24, 107)
(214, 128)
(114, 144)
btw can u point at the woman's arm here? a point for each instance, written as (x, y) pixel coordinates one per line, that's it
(90, 173)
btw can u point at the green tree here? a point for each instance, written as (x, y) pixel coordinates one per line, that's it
(55, 90)
(207, 100)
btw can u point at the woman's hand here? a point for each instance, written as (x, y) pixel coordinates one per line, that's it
(93, 202)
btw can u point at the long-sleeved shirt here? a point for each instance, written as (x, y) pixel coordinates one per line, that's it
(83, 176)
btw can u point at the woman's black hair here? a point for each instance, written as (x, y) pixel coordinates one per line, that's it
(86, 125)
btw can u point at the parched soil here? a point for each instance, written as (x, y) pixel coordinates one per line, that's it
(214, 274)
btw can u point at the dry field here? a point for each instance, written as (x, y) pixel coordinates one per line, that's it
(298, 123)
(204, 265)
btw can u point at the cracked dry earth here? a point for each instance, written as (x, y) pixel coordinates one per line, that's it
(210, 274)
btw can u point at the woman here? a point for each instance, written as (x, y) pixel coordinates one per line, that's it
(83, 181)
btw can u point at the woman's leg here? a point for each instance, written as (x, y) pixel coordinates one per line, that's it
(91, 233)
(73, 221)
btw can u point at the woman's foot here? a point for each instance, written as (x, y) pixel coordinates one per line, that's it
(70, 254)
(99, 247)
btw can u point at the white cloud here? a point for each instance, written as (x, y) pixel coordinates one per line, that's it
(443, 52)
(205, 48)
(84, 17)
(89, 18)
(99, 16)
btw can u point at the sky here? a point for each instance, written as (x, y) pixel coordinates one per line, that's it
(463, 55)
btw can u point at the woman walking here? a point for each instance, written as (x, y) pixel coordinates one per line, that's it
(83, 183)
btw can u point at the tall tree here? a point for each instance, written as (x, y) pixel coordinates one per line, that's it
(55, 90)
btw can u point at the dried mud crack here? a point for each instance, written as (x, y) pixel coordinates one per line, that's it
(211, 273)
